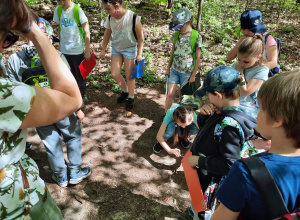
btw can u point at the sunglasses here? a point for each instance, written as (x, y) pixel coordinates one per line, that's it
(9, 40)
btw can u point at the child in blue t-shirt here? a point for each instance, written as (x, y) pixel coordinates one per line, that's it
(72, 44)
(278, 120)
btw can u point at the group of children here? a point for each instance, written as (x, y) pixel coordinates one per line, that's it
(241, 99)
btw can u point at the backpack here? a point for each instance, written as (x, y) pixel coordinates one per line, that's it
(133, 25)
(194, 36)
(33, 75)
(76, 19)
(268, 189)
(275, 70)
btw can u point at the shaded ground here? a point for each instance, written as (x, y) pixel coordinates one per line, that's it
(128, 180)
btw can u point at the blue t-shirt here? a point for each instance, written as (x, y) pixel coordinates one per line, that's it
(256, 72)
(239, 193)
(169, 115)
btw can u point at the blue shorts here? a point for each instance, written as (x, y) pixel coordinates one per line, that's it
(129, 53)
(178, 77)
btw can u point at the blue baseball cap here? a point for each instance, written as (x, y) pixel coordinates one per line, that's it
(180, 17)
(219, 79)
(252, 19)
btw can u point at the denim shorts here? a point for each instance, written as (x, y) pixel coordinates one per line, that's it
(129, 53)
(178, 77)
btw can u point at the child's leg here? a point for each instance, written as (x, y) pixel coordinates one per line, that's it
(128, 65)
(71, 131)
(169, 132)
(52, 140)
(74, 61)
(170, 96)
(116, 64)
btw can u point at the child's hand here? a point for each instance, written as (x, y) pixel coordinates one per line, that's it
(193, 161)
(168, 72)
(175, 151)
(192, 79)
(79, 115)
(207, 109)
(138, 58)
(102, 54)
(87, 55)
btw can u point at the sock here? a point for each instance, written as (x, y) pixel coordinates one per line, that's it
(131, 96)
(125, 90)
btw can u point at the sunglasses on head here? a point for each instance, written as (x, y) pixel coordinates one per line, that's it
(9, 40)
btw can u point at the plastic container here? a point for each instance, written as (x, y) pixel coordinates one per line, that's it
(138, 69)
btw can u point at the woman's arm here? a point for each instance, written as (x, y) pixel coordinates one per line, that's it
(106, 37)
(87, 53)
(140, 36)
(223, 213)
(163, 143)
(51, 105)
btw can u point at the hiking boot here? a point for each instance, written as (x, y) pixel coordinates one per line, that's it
(183, 143)
(157, 148)
(77, 177)
(130, 104)
(61, 181)
(122, 97)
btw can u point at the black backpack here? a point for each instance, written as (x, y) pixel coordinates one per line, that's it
(275, 70)
(34, 76)
(272, 196)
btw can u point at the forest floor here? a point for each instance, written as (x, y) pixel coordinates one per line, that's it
(128, 180)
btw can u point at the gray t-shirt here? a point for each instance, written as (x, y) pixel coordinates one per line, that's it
(123, 37)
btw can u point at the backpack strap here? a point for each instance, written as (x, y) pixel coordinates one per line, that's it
(194, 36)
(76, 14)
(266, 186)
(22, 55)
(133, 26)
(176, 35)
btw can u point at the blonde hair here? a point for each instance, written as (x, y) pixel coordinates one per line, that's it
(280, 98)
(253, 47)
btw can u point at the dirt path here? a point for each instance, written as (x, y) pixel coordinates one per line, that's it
(128, 180)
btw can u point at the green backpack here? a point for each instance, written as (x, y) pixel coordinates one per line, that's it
(194, 36)
(76, 18)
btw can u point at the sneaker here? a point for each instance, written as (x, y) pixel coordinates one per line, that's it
(61, 181)
(28, 145)
(130, 104)
(122, 97)
(191, 213)
(157, 148)
(77, 177)
(185, 144)
(84, 98)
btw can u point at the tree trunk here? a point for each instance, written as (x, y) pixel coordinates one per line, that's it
(169, 4)
(200, 5)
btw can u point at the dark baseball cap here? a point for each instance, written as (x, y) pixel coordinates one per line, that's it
(252, 19)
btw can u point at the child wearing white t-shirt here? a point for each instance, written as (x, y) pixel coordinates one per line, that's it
(72, 44)
(125, 46)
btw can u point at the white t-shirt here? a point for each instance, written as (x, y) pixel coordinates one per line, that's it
(71, 41)
(123, 37)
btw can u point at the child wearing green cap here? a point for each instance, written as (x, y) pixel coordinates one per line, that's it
(224, 127)
(185, 54)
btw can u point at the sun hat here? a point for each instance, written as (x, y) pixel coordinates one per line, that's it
(46, 27)
(219, 79)
(252, 19)
(180, 17)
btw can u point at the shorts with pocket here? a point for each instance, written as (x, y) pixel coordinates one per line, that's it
(129, 53)
(178, 77)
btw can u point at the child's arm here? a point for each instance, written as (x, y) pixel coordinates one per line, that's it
(87, 53)
(233, 53)
(250, 87)
(163, 143)
(223, 213)
(197, 63)
(106, 37)
(272, 55)
(139, 32)
(169, 63)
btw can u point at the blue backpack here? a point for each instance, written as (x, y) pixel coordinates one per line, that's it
(275, 70)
